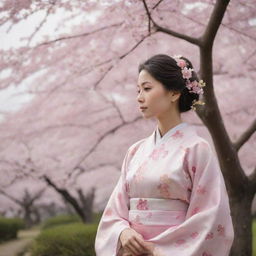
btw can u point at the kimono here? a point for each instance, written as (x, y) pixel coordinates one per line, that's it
(171, 191)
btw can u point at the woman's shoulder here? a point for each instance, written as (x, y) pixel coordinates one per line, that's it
(194, 140)
(135, 146)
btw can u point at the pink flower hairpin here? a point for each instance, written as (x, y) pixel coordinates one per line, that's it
(194, 86)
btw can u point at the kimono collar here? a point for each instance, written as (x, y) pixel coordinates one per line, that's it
(159, 138)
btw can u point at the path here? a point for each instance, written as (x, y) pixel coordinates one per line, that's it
(13, 247)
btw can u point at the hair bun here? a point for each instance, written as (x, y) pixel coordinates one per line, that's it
(186, 100)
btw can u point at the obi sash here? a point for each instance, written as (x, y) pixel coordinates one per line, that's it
(157, 211)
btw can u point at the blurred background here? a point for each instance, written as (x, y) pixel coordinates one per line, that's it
(68, 109)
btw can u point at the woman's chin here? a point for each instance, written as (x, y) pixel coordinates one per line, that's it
(146, 116)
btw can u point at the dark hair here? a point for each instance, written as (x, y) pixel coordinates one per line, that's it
(165, 70)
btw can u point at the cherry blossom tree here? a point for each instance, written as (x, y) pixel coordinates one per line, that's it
(75, 72)
(82, 206)
(29, 213)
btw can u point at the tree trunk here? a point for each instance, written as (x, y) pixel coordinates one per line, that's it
(27, 217)
(37, 216)
(87, 204)
(242, 222)
(82, 208)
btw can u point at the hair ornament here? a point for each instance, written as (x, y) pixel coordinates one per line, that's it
(196, 102)
(194, 86)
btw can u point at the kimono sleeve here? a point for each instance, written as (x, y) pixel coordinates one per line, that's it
(114, 218)
(207, 229)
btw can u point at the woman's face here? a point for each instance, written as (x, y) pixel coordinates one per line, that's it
(154, 97)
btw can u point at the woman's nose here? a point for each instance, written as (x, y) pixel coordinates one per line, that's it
(140, 98)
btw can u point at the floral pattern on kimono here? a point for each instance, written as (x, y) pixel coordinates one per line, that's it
(164, 186)
(115, 217)
(182, 205)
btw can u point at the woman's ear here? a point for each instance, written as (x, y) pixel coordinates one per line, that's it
(174, 95)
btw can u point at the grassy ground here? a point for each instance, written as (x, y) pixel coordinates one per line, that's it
(254, 237)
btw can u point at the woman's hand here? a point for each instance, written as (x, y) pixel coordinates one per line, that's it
(134, 244)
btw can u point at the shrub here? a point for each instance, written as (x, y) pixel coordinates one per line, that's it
(75, 239)
(9, 228)
(60, 220)
(97, 217)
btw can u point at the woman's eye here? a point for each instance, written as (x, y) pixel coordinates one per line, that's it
(146, 89)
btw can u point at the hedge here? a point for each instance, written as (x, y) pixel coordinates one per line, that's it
(60, 220)
(9, 228)
(75, 239)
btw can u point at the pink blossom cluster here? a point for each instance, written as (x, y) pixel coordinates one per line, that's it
(194, 86)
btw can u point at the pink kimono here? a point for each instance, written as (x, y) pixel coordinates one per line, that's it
(171, 191)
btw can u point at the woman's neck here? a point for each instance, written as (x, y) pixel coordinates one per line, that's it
(168, 122)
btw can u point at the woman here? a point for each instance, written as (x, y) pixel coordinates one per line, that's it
(171, 197)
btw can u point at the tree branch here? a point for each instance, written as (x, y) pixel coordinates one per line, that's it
(80, 35)
(154, 7)
(81, 169)
(158, 28)
(210, 113)
(245, 136)
(214, 22)
(252, 180)
(11, 198)
(103, 136)
(37, 195)
(66, 196)
(40, 25)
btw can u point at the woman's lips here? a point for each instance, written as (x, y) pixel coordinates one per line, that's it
(143, 108)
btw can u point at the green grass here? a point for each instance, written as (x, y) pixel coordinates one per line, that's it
(254, 237)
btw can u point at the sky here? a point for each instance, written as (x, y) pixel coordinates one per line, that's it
(15, 96)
